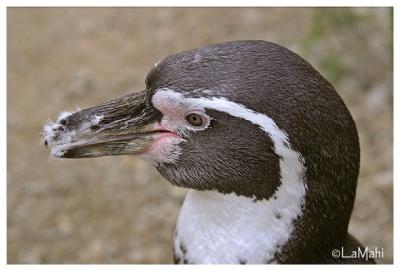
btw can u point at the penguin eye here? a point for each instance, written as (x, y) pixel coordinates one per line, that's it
(194, 119)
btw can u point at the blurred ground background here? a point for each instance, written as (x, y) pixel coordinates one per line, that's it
(118, 209)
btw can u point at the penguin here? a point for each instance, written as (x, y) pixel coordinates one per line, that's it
(265, 146)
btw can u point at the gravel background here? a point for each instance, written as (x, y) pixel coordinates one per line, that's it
(118, 209)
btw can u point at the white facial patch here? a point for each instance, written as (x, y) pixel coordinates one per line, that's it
(175, 108)
(220, 228)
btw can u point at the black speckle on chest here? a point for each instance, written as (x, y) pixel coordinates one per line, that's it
(180, 257)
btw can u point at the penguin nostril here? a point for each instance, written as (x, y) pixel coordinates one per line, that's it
(63, 122)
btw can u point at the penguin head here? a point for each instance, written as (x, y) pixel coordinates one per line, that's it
(238, 117)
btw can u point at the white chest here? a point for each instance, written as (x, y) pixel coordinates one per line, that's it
(226, 228)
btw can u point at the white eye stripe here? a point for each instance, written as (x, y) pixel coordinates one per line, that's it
(292, 162)
(175, 111)
(279, 137)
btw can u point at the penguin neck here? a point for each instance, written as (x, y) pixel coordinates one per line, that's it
(226, 228)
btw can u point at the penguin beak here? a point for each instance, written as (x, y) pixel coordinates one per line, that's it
(127, 125)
